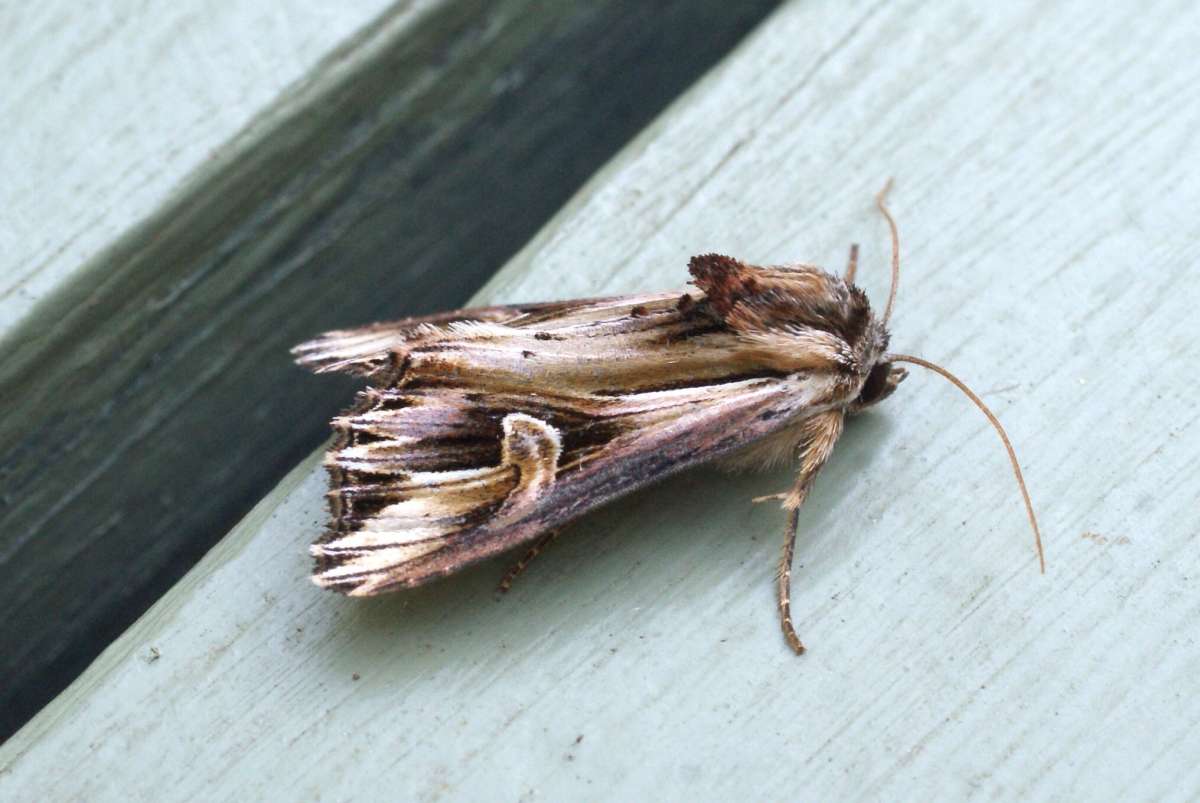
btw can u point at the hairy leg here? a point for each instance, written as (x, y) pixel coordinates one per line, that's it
(518, 567)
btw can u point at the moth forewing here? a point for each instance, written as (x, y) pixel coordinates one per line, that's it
(465, 515)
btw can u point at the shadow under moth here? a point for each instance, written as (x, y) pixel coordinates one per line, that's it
(485, 429)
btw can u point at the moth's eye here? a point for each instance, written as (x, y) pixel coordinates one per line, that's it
(877, 386)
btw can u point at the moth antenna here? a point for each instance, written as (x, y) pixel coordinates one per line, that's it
(881, 202)
(851, 264)
(1012, 455)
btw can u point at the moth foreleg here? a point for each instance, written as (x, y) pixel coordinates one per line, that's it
(821, 433)
(784, 580)
(518, 567)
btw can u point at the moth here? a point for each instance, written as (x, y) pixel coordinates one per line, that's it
(485, 429)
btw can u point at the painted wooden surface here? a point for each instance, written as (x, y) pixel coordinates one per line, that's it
(92, 146)
(190, 193)
(1045, 191)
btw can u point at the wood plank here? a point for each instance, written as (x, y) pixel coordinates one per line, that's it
(1041, 156)
(195, 190)
(113, 109)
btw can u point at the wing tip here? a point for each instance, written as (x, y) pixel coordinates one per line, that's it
(350, 587)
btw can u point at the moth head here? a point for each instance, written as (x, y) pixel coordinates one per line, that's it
(880, 383)
(875, 374)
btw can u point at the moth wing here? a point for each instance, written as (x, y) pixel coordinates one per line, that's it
(371, 350)
(427, 481)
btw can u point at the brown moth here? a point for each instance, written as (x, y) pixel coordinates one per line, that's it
(485, 429)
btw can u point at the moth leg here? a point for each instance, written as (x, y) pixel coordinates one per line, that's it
(784, 579)
(518, 567)
(820, 434)
(852, 264)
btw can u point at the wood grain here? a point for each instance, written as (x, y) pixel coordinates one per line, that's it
(1047, 205)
